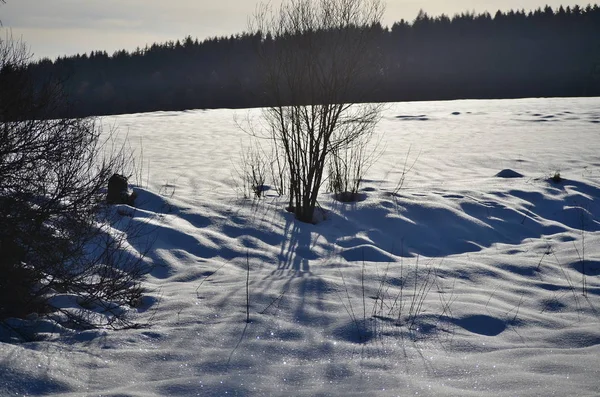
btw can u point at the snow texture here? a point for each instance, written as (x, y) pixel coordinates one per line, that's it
(465, 282)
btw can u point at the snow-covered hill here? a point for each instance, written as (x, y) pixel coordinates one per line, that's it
(462, 283)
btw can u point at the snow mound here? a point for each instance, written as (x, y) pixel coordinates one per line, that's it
(508, 173)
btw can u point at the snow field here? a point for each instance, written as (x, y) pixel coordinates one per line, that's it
(460, 284)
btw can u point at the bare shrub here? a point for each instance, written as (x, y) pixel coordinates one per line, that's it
(406, 168)
(314, 54)
(278, 168)
(252, 170)
(57, 233)
(347, 168)
(399, 301)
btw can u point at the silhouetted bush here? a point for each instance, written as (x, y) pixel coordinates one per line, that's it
(56, 229)
(314, 58)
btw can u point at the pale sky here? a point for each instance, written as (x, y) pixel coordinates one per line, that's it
(66, 27)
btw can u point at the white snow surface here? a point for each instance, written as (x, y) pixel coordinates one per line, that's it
(489, 271)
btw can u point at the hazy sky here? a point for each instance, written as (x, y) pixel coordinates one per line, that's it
(59, 27)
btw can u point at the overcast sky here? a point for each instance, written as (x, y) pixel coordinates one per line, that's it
(66, 27)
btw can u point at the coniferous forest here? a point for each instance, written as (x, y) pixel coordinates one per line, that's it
(542, 53)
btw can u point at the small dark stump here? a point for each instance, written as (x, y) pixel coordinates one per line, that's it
(118, 191)
(556, 178)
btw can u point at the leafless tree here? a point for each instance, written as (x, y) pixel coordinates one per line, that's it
(315, 55)
(56, 230)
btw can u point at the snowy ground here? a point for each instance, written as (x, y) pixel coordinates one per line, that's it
(462, 284)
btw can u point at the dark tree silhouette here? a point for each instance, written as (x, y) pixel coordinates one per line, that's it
(55, 226)
(544, 52)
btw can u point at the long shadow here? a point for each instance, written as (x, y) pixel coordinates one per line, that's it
(237, 345)
(295, 251)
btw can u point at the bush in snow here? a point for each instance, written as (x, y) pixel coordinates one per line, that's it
(347, 167)
(313, 55)
(56, 234)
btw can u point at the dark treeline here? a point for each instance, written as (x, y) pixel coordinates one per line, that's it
(508, 55)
